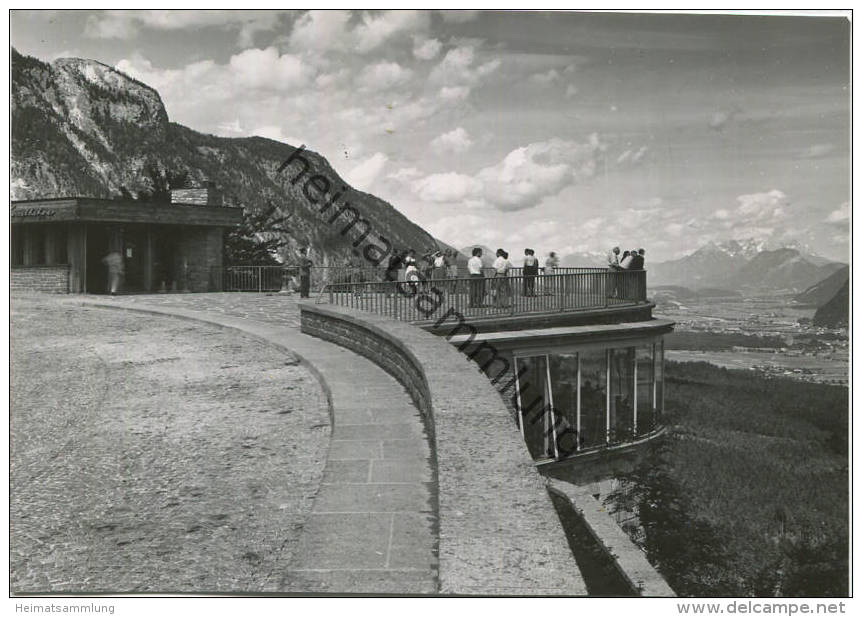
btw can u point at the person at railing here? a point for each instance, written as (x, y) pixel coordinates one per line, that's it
(427, 266)
(411, 272)
(305, 264)
(502, 285)
(614, 258)
(450, 256)
(552, 262)
(396, 260)
(439, 272)
(531, 271)
(477, 279)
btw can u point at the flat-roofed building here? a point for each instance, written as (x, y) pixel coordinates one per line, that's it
(58, 245)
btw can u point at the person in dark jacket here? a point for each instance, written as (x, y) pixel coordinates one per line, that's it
(531, 271)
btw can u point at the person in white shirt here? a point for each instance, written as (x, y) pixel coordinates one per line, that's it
(614, 258)
(551, 264)
(411, 273)
(626, 263)
(502, 286)
(477, 282)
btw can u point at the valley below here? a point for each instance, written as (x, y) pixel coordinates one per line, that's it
(770, 334)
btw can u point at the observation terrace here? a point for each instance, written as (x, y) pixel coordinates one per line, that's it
(577, 356)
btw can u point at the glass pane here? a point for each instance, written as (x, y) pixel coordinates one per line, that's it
(564, 387)
(535, 406)
(646, 412)
(593, 398)
(659, 381)
(622, 394)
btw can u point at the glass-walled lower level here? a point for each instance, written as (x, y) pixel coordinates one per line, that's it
(577, 401)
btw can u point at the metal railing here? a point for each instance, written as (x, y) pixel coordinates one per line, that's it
(274, 278)
(420, 300)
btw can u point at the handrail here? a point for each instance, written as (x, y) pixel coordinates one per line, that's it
(420, 301)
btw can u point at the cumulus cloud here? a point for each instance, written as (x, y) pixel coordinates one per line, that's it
(541, 169)
(840, 216)
(426, 49)
(456, 68)
(545, 79)
(266, 68)
(816, 151)
(405, 174)
(374, 30)
(362, 176)
(722, 117)
(454, 94)
(322, 30)
(448, 187)
(757, 215)
(383, 75)
(457, 141)
(121, 24)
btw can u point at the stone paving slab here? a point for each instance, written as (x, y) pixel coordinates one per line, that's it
(372, 526)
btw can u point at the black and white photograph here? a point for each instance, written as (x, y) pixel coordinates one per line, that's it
(408, 303)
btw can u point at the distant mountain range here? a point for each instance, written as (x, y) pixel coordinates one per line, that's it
(746, 265)
(81, 128)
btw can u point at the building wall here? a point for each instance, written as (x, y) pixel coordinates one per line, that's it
(200, 252)
(45, 279)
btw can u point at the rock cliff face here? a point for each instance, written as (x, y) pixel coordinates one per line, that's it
(81, 128)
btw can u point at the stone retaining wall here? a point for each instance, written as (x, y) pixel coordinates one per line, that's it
(628, 558)
(499, 532)
(46, 279)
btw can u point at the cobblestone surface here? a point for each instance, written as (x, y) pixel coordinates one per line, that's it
(151, 454)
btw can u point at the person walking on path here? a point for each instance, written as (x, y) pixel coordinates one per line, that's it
(531, 271)
(477, 279)
(114, 262)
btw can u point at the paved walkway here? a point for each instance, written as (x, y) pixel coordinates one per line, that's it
(373, 525)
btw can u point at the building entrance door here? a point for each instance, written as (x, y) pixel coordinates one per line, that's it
(134, 257)
(97, 249)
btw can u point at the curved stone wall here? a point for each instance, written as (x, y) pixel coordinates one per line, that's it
(499, 532)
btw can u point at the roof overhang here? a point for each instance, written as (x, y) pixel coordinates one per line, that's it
(122, 211)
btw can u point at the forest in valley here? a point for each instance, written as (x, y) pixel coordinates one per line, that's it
(748, 494)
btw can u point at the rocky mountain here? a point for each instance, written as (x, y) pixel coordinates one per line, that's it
(712, 265)
(836, 312)
(81, 128)
(821, 292)
(781, 269)
(743, 265)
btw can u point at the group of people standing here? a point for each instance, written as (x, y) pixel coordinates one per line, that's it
(501, 285)
(630, 260)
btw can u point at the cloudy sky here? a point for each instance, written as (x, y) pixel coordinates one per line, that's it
(560, 131)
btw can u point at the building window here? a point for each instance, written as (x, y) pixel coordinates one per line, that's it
(593, 398)
(621, 406)
(535, 406)
(577, 401)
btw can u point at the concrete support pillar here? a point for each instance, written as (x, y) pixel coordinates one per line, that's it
(148, 260)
